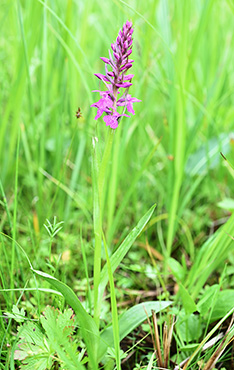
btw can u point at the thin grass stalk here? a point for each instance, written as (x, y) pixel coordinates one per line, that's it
(43, 100)
(178, 125)
(76, 172)
(199, 348)
(28, 155)
(14, 226)
(73, 37)
(4, 199)
(157, 340)
(73, 59)
(200, 30)
(165, 345)
(170, 332)
(228, 337)
(86, 271)
(214, 358)
(151, 331)
(30, 95)
(150, 364)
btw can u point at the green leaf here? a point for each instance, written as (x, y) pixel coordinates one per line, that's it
(224, 303)
(189, 347)
(37, 362)
(59, 328)
(128, 321)
(177, 270)
(17, 315)
(188, 303)
(150, 364)
(123, 249)
(88, 327)
(227, 203)
(189, 328)
(30, 332)
(33, 348)
(39, 350)
(208, 299)
(209, 335)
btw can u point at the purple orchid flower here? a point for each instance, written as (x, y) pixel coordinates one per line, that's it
(127, 101)
(105, 104)
(112, 119)
(117, 79)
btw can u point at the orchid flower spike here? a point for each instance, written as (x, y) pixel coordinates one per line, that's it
(116, 79)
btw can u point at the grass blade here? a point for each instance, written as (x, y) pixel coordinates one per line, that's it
(121, 252)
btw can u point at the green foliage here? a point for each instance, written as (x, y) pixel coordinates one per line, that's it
(87, 324)
(33, 348)
(187, 301)
(224, 303)
(17, 315)
(168, 153)
(129, 320)
(124, 247)
(227, 203)
(216, 302)
(53, 228)
(39, 349)
(210, 256)
(188, 327)
(208, 299)
(177, 270)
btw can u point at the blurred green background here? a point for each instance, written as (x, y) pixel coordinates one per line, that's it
(167, 153)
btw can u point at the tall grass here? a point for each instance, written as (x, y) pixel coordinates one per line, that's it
(168, 153)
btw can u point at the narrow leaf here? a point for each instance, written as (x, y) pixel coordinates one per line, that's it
(123, 249)
(128, 321)
(188, 302)
(176, 268)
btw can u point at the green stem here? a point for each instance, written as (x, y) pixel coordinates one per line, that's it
(105, 159)
(112, 186)
(50, 248)
(98, 183)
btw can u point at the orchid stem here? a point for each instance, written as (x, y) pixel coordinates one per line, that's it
(99, 174)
